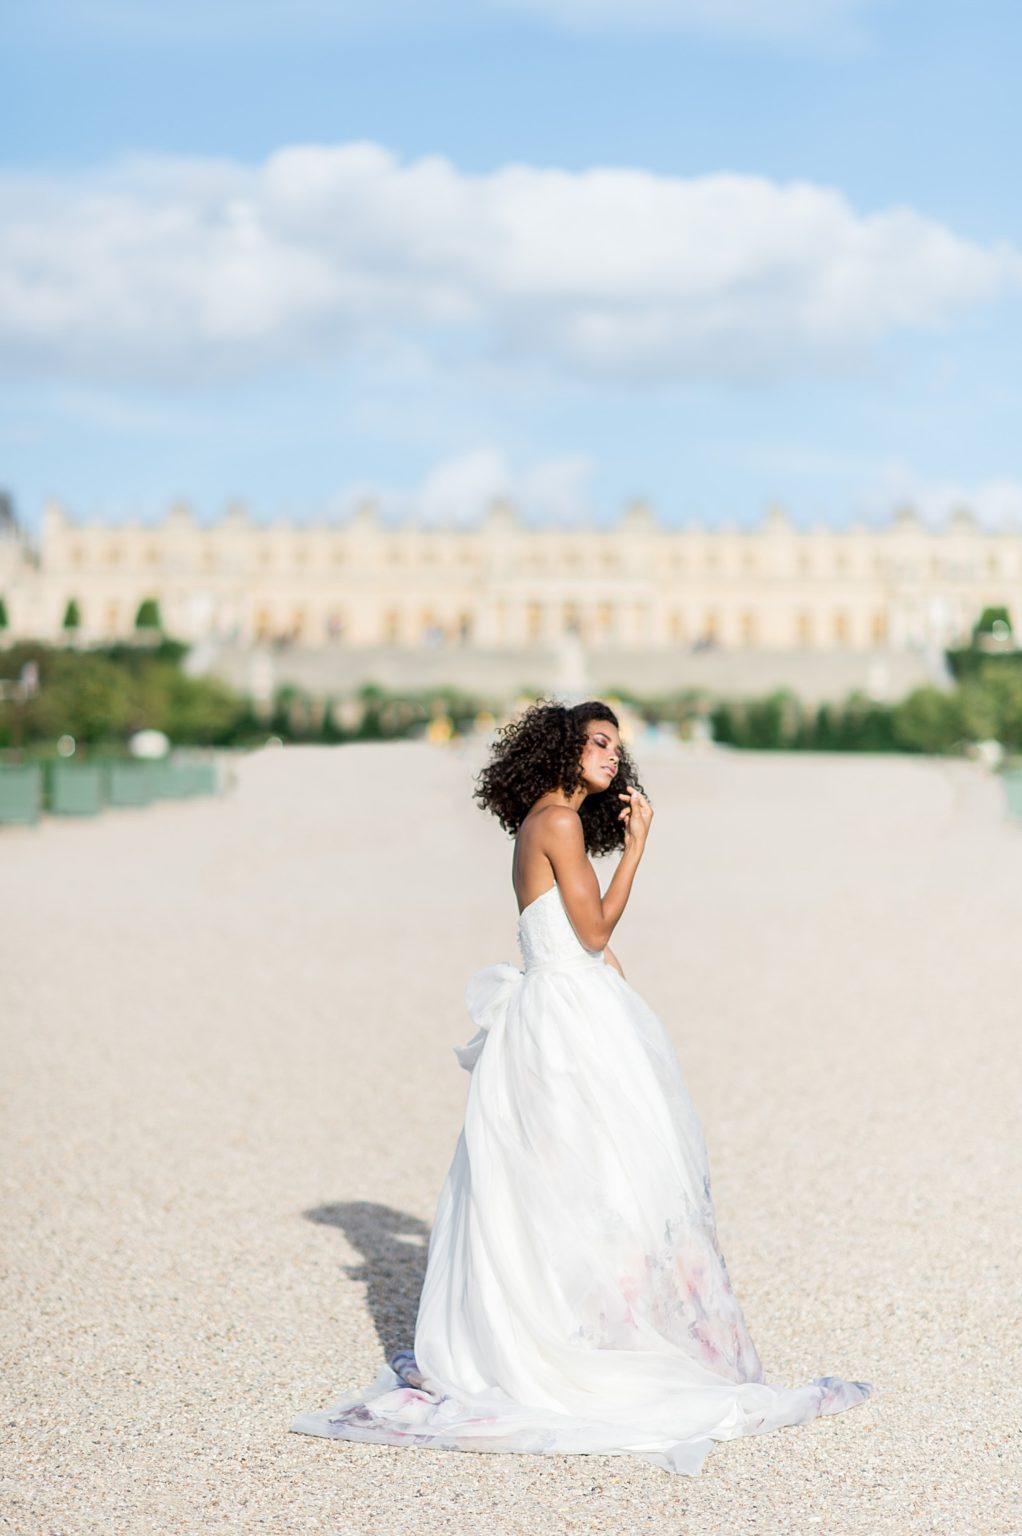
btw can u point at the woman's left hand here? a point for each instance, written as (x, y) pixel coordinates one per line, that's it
(609, 958)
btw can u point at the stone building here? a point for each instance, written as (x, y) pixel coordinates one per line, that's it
(503, 585)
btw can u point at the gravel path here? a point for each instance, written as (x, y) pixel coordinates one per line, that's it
(229, 1099)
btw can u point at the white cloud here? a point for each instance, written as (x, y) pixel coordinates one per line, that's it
(182, 272)
(995, 503)
(556, 490)
(458, 489)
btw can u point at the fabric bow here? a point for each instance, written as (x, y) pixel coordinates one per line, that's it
(486, 997)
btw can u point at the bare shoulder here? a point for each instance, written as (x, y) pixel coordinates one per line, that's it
(559, 826)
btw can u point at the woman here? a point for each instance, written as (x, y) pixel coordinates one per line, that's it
(575, 1297)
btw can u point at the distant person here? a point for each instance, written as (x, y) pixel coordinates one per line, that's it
(575, 1297)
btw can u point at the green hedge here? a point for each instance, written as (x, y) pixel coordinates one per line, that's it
(102, 695)
(927, 720)
(105, 694)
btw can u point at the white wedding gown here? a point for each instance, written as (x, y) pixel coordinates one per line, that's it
(575, 1298)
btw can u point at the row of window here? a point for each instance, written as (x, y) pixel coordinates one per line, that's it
(806, 564)
(603, 622)
(809, 628)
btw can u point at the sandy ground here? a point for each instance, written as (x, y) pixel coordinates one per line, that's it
(229, 1099)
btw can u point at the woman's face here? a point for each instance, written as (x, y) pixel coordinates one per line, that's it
(600, 755)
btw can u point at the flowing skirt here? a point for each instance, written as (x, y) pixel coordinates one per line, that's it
(576, 1299)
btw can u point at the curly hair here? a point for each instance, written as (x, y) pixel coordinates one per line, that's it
(542, 750)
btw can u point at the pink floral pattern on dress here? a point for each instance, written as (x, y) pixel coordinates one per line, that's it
(575, 1298)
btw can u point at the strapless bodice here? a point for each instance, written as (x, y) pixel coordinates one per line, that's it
(545, 934)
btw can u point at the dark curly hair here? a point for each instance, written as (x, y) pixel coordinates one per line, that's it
(542, 750)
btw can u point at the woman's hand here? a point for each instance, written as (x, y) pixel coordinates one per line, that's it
(636, 815)
(609, 958)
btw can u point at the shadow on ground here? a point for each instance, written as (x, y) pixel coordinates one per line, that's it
(394, 1247)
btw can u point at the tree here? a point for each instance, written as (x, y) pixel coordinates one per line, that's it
(995, 622)
(928, 720)
(72, 615)
(148, 615)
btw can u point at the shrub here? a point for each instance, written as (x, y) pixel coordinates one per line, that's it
(928, 720)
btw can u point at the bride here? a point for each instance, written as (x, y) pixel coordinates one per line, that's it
(575, 1297)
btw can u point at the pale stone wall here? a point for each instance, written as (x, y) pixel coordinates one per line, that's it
(502, 584)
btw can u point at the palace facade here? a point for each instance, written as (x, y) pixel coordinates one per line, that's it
(504, 584)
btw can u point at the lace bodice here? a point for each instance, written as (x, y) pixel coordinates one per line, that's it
(545, 934)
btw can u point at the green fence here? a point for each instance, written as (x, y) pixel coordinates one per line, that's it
(21, 792)
(1011, 778)
(178, 781)
(166, 779)
(130, 783)
(75, 789)
(83, 789)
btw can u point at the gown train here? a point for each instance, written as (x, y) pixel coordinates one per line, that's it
(575, 1299)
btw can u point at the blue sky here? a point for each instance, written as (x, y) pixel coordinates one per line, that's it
(710, 252)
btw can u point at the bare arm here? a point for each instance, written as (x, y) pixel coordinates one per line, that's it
(593, 917)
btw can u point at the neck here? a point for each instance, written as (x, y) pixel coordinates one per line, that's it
(559, 797)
